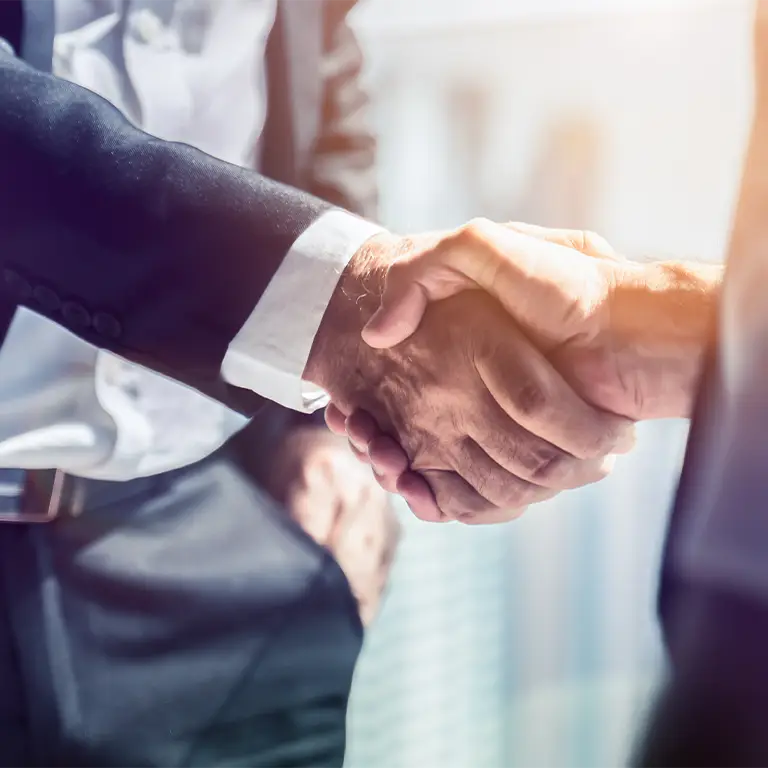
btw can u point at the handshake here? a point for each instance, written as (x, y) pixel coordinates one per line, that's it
(488, 368)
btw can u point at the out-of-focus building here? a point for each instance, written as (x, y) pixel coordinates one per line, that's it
(535, 644)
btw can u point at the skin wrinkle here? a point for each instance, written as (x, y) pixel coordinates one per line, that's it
(485, 481)
(430, 393)
(628, 337)
(431, 414)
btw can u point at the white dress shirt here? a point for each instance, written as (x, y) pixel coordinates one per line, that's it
(188, 70)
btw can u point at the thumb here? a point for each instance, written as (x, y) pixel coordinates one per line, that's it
(411, 284)
(525, 268)
(402, 306)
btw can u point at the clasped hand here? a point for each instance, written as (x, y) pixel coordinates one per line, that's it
(491, 367)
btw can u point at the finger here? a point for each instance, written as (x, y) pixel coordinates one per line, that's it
(313, 507)
(357, 537)
(418, 495)
(353, 496)
(495, 484)
(547, 470)
(393, 533)
(335, 419)
(403, 303)
(458, 500)
(387, 482)
(387, 456)
(494, 517)
(361, 428)
(528, 456)
(584, 241)
(357, 549)
(535, 396)
(361, 456)
(371, 445)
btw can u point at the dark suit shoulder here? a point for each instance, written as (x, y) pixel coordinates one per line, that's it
(150, 249)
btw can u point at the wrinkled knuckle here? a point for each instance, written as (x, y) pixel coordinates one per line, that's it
(510, 450)
(454, 422)
(482, 482)
(480, 224)
(592, 243)
(448, 504)
(592, 446)
(477, 474)
(473, 232)
(600, 442)
(531, 399)
(472, 518)
(456, 507)
(476, 512)
(422, 449)
(548, 466)
(513, 493)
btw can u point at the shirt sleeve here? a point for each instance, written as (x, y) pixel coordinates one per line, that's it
(270, 352)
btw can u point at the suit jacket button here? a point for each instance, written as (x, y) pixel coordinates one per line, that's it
(107, 325)
(46, 298)
(76, 314)
(17, 284)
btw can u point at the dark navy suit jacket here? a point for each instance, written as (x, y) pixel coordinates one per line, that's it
(159, 253)
(150, 249)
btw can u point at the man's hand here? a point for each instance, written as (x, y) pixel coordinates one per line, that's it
(338, 503)
(479, 410)
(627, 337)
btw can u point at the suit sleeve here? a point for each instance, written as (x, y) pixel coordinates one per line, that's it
(150, 249)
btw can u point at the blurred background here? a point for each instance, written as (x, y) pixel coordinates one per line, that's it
(535, 643)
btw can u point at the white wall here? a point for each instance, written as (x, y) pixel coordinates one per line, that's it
(669, 92)
(398, 16)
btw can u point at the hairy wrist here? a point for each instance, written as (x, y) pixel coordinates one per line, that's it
(338, 351)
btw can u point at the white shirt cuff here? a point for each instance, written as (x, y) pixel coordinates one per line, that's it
(270, 352)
